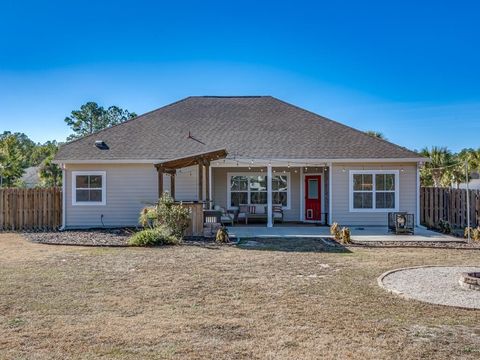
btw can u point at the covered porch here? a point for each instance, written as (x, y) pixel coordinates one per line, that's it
(264, 192)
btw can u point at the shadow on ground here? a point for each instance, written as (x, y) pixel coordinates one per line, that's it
(292, 244)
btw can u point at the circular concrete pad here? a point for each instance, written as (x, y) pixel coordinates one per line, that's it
(432, 284)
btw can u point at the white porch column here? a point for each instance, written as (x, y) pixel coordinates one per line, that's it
(302, 195)
(417, 205)
(269, 196)
(330, 194)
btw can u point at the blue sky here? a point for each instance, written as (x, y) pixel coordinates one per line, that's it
(408, 69)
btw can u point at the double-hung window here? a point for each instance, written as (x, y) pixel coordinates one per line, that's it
(374, 190)
(251, 189)
(88, 187)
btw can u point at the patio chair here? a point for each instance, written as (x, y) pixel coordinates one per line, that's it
(226, 218)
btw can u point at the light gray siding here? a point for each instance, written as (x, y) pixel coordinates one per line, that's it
(219, 189)
(341, 193)
(129, 188)
(186, 184)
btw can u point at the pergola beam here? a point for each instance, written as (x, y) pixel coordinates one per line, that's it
(190, 160)
(202, 160)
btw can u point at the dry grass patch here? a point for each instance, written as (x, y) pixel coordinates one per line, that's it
(221, 302)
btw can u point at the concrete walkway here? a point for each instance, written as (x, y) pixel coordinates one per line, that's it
(367, 233)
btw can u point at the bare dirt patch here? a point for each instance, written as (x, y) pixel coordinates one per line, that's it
(221, 302)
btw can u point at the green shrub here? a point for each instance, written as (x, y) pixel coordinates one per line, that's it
(174, 216)
(154, 236)
(148, 217)
(445, 226)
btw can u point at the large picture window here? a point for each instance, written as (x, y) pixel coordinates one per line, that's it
(251, 189)
(374, 190)
(88, 188)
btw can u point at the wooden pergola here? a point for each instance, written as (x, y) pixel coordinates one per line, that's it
(203, 160)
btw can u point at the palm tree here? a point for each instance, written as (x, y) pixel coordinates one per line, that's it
(440, 167)
(472, 157)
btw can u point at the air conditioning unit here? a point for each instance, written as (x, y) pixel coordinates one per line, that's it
(401, 223)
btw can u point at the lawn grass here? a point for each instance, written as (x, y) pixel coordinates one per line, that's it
(221, 302)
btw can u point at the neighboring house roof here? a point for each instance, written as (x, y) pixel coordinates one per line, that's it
(31, 177)
(474, 184)
(246, 126)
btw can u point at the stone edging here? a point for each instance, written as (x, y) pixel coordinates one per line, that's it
(470, 280)
(407, 297)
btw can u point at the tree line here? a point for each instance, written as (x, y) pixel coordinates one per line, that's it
(18, 152)
(445, 167)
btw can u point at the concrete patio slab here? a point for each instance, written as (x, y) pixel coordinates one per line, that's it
(359, 233)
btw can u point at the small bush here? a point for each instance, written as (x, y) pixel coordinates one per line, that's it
(345, 236)
(148, 217)
(335, 231)
(174, 216)
(222, 236)
(445, 226)
(474, 233)
(152, 237)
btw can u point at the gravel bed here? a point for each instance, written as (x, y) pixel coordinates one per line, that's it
(432, 284)
(423, 244)
(97, 237)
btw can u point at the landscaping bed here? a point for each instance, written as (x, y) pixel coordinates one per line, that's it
(90, 237)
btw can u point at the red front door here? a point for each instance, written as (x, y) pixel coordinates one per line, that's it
(313, 202)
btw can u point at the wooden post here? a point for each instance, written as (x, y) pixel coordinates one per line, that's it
(207, 183)
(172, 185)
(160, 182)
(200, 181)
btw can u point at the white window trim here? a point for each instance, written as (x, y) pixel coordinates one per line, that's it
(103, 174)
(229, 177)
(374, 190)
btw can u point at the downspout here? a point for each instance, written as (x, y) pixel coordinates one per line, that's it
(64, 198)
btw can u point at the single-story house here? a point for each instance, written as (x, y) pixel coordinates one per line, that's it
(249, 154)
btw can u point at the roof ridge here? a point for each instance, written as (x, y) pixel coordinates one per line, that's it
(231, 96)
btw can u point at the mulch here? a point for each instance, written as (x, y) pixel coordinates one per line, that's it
(119, 238)
(91, 237)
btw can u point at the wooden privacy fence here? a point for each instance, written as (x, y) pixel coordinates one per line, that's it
(30, 209)
(448, 204)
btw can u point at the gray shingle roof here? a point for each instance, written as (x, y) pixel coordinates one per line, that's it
(248, 127)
